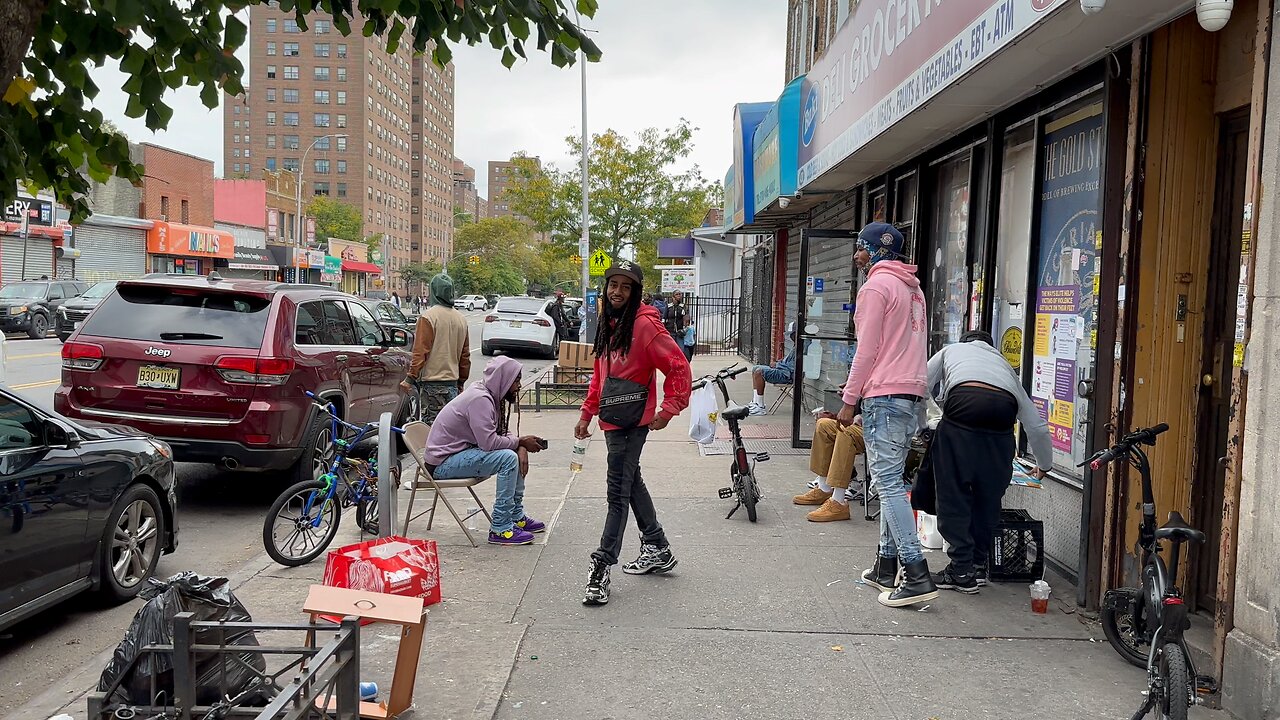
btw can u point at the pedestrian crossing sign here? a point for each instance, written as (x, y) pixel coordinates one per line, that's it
(599, 263)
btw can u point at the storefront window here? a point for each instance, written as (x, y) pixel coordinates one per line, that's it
(175, 265)
(904, 212)
(1013, 243)
(1065, 335)
(948, 283)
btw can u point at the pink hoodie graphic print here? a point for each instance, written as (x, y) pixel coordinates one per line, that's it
(890, 317)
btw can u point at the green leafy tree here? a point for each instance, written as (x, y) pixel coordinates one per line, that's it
(50, 132)
(336, 219)
(637, 194)
(418, 275)
(505, 248)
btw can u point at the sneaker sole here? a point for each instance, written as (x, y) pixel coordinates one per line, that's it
(958, 588)
(508, 543)
(906, 602)
(660, 569)
(829, 519)
(806, 502)
(592, 602)
(876, 585)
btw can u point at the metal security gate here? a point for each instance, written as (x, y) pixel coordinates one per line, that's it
(110, 253)
(38, 261)
(716, 312)
(755, 317)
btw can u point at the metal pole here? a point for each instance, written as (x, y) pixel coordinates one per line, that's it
(297, 220)
(584, 244)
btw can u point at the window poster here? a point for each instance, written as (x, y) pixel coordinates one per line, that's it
(1066, 294)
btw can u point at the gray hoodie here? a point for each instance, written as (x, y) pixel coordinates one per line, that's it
(471, 419)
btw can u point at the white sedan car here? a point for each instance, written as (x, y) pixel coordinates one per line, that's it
(520, 323)
(470, 302)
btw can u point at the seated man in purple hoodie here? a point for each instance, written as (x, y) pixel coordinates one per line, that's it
(471, 438)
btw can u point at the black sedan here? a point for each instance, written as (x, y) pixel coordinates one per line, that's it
(74, 311)
(82, 507)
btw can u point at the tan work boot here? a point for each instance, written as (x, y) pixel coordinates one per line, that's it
(815, 496)
(830, 512)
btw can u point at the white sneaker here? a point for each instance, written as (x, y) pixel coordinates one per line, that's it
(758, 409)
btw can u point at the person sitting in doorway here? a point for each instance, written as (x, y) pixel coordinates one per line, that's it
(835, 448)
(782, 372)
(472, 438)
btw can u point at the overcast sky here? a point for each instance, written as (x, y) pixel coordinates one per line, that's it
(663, 60)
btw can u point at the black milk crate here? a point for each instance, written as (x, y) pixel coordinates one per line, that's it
(1017, 548)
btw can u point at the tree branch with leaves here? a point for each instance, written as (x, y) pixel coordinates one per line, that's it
(51, 136)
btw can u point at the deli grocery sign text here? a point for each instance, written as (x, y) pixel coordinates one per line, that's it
(891, 57)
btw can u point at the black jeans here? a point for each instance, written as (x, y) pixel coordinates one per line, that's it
(972, 458)
(627, 493)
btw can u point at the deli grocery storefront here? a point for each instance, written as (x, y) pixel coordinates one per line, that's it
(1081, 186)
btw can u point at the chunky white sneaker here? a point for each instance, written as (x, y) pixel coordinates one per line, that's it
(758, 409)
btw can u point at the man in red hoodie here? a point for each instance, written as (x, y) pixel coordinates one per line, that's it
(631, 343)
(888, 377)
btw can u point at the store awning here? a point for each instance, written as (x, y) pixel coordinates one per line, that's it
(357, 266)
(859, 119)
(252, 259)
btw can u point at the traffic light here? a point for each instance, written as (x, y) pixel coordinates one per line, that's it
(473, 260)
(576, 259)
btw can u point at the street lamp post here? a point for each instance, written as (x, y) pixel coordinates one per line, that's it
(297, 219)
(584, 244)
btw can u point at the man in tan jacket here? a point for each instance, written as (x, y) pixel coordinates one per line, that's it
(441, 352)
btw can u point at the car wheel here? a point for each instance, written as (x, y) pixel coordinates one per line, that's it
(39, 327)
(486, 350)
(131, 543)
(553, 352)
(317, 453)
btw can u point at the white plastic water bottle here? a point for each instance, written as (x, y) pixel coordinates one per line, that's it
(579, 455)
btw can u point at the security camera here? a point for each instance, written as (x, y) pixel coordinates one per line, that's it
(784, 202)
(1213, 14)
(1092, 7)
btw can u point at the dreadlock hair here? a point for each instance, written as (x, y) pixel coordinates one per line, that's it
(616, 337)
(504, 416)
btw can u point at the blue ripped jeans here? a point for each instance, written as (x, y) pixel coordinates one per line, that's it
(508, 503)
(887, 427)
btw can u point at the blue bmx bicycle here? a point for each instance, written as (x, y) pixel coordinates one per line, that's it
(303, 520)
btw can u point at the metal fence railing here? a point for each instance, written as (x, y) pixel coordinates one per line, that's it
(318, 677)
(756, 307)
(716, 313)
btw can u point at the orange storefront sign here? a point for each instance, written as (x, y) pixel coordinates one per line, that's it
(167, 238)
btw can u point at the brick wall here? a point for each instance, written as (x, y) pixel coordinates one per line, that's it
(172, 178)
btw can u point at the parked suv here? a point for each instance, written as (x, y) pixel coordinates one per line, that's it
(219, 368)
(470, 302)
(29, 306)
(74, 311)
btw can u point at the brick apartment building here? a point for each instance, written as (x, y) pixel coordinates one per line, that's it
(500, 174)
(374, 129)
(466, 196)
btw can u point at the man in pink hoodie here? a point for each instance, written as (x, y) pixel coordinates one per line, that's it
(888, 377)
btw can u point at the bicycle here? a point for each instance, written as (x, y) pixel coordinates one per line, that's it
(742, 471)
(312, 509)
(1146, 625)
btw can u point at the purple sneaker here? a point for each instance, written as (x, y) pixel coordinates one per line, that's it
(528, 524)
(514, 536)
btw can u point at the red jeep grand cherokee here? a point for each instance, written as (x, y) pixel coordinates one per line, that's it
(218, 368)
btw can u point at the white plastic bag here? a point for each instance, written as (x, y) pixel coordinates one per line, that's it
(703, 414)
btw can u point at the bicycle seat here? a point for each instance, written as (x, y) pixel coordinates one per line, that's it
(1178, 530)
(736, 413)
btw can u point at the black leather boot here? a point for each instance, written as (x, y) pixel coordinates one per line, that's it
(916, 587)
(882, 575)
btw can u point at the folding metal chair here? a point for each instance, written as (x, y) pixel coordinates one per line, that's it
(870, 495)
(415, 439)
(784, 392)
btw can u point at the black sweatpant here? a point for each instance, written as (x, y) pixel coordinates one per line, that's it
(972, 458)
(627, 493)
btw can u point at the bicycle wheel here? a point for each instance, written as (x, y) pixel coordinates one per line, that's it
(1120, 628)
(748, 493)
(1177, 685)
(301, 523)
(367, 513)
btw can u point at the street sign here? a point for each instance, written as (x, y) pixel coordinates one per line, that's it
(599, 263)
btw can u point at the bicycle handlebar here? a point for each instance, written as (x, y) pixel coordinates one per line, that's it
(1122, 448)
(727, 373)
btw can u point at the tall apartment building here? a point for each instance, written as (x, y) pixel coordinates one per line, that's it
(466, 196)
(350, 118)
(500, 175)
(433, 161)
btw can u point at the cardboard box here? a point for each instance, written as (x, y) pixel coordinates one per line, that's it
(576, 355)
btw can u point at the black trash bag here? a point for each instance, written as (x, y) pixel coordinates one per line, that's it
(218, 675)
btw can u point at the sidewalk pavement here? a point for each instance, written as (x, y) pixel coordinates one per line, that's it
(763, 620)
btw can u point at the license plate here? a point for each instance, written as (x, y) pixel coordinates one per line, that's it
(517, 323)
(158, 378)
